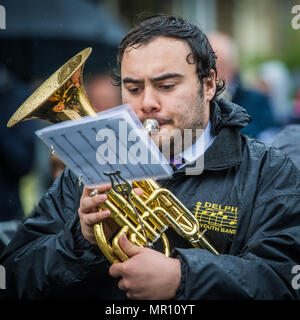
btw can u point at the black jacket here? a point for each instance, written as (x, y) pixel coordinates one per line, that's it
(248, 198)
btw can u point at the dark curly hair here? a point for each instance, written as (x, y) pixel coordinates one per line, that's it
(178, 28)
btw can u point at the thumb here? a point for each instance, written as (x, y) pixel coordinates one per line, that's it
(128, 247)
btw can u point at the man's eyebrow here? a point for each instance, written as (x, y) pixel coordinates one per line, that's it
(160, 78)
(131, 80)
(166, 76)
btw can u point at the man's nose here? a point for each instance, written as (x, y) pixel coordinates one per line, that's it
(150, 102)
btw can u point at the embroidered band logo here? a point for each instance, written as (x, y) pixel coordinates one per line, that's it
(216, 217)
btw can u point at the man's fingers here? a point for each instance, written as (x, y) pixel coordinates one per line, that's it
(87, 191)
(116, 270)
(128, 247)
(138, 191)
(89, 203)
(122, 286)
(95, 217)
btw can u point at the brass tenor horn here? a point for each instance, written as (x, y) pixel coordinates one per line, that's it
(144, 219)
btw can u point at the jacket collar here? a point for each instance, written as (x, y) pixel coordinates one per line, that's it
(224, 153)
(226, 150)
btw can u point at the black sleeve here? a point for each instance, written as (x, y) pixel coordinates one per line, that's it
(49, 257)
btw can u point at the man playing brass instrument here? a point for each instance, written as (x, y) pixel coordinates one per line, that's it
(247, 196)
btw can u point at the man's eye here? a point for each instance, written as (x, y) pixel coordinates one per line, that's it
(134, 90)
(167, 86)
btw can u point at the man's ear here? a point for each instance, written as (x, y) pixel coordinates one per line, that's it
(209, 84)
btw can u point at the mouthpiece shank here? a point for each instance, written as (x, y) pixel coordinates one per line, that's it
(151, 125)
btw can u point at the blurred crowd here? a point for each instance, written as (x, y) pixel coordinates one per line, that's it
(272, 100)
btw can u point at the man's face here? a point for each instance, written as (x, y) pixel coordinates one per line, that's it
(158, 82)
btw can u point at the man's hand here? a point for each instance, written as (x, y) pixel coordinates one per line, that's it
(89, 213)
(147, 274)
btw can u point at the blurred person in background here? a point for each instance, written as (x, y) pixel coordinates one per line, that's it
(256, 103)
(297, 106)
(275, 82)
(102, 93)
(17, 154)
(16, 146)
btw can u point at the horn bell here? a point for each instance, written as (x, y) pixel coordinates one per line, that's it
(61, 97)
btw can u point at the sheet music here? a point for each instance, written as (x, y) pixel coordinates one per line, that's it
(111, 140)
